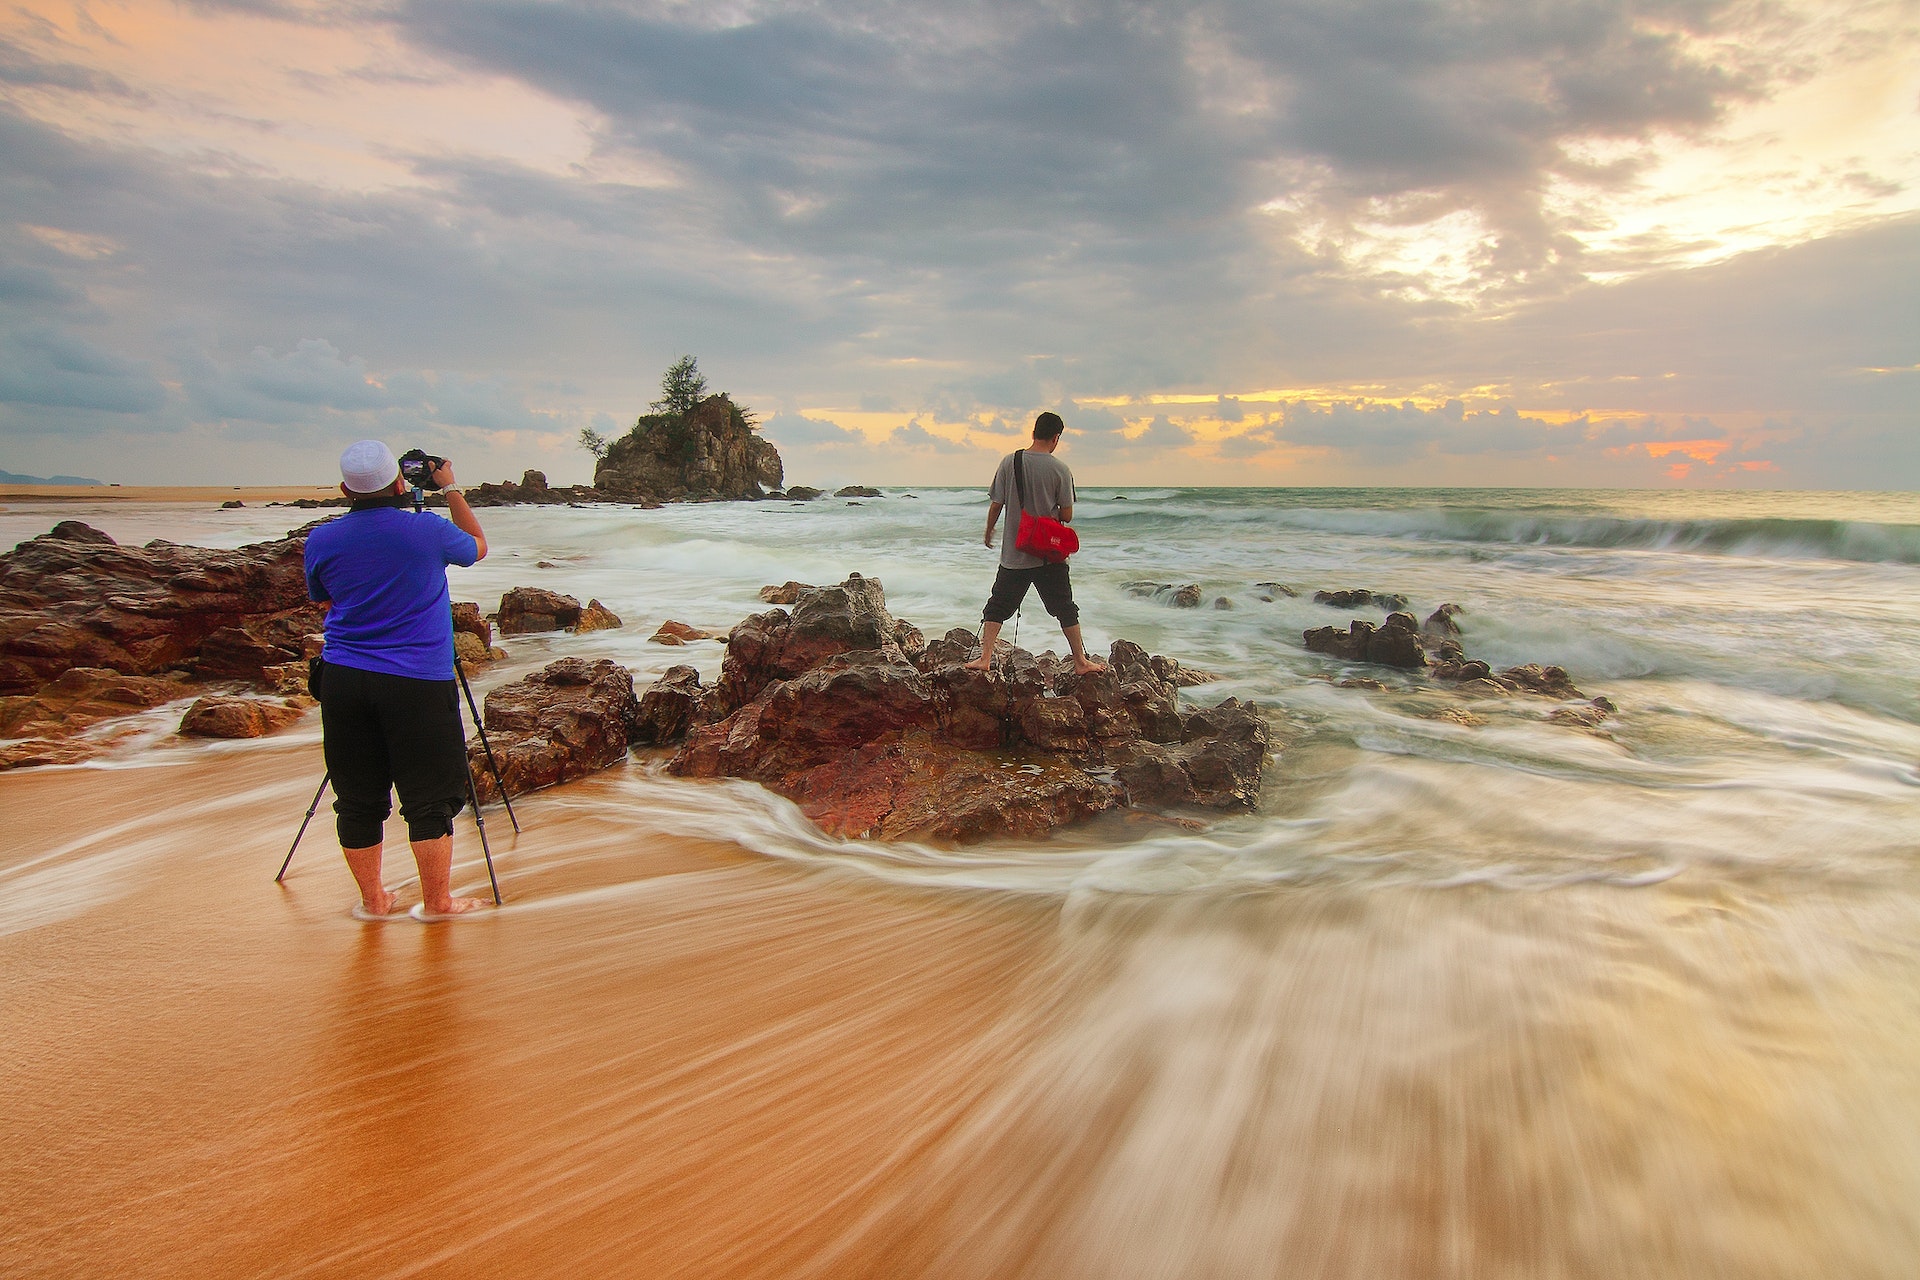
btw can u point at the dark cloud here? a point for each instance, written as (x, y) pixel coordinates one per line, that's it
(51, 369)
(966, 211)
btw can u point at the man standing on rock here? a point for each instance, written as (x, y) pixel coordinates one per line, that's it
(389, 708)
(1048, 491)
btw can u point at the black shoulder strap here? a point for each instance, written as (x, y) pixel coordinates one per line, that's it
(1019, 477)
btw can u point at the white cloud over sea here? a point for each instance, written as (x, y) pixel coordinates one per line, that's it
(1636, 242)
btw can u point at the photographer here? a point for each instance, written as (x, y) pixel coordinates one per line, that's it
(389, 707)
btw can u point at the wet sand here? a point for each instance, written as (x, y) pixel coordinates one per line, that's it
(665, 1058)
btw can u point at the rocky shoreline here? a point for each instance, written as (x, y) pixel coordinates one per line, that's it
(828, 699)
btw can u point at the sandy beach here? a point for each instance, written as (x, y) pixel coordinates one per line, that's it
(662, 1058)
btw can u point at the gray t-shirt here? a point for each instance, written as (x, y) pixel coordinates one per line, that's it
(1048, 486)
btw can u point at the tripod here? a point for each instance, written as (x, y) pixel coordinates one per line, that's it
(473, 792)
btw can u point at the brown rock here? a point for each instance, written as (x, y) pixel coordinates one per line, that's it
(468, 618)
(826, 706)
(787, 593)
(597, 617)
(1440, 624)
(218, 717)
(676, 633)
(569, 719)
(916, 788)
(81, 697)
(668, 707)
(1549, 682)
(1187, 597)
(527, 610)
(72, 597)
(1395, 644)
(468, 649)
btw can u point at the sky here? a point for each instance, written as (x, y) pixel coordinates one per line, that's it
(1273, 242)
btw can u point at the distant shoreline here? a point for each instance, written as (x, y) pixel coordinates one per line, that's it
(251, 495)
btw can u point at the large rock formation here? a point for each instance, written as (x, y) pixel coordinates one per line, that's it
(875, 732)
(74, 598)
(708, 452)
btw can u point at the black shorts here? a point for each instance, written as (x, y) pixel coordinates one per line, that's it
(1010, 588)
(386, 733)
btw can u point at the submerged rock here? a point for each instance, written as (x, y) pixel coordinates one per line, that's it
(1395, 643)
(1360, 599)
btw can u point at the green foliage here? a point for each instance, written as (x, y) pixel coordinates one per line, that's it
(593, 442)
(681, 388)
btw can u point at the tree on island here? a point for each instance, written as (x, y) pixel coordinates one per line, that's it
(692, 444)
(681, 387)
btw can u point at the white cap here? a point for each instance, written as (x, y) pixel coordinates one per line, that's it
(368, 466)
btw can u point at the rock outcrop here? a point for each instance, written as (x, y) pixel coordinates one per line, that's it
(1435, 646)
(1361, 599)
(74, 598)
(533, 488)
(569, 719)
(709, 452)
(1395, 643)
(876, 732)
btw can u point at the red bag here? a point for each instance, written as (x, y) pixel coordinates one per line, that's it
(1041, 536)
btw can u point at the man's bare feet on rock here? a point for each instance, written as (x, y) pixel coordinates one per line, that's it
(1087, 666)
(981, 663)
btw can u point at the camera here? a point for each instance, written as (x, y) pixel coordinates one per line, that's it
(417, 467)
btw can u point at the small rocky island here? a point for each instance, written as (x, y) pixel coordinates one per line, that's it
(709, 451)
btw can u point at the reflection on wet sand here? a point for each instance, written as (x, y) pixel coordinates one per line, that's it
(665, 1058)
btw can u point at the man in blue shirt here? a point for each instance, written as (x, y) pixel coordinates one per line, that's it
(389, 707)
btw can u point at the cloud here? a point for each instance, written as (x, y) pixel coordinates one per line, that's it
(959, 215)
(51, 369)
(787, 430)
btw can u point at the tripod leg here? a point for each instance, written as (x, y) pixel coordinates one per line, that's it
(311, 809)
(473, 709)
(473, 794)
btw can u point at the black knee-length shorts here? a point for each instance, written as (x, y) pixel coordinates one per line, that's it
(385, 733)
(1052, 581)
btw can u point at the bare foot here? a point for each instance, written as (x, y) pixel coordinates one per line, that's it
(455, 906)
(383, 904)
(1087, 666)
(981, 663)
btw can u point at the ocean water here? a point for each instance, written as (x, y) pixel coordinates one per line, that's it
(1762, 649)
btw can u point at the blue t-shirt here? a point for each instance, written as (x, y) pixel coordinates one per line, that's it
(385, 571)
